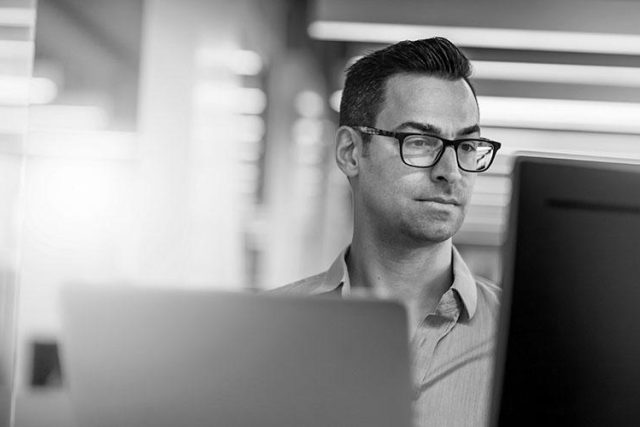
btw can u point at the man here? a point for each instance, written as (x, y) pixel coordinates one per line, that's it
(410, 146)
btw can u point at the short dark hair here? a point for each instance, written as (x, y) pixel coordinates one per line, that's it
(364, 87)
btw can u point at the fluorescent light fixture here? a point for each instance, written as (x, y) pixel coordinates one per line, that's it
(239, 61)
(557, 73)
(230, 99)
(83, 144)
(493, 38)
(240, 128)
(556, 114)
(576, 144)
(245, 62)
(589, 116)
(43, 90)
(16, 90)
(17, 17)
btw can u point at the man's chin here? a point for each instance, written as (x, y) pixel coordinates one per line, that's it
(426, 237)
(432, 231)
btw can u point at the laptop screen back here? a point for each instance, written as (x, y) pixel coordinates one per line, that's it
(169, 358)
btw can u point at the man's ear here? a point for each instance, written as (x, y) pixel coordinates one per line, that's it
(348, 150)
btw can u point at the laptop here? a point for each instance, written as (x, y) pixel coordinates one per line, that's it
(568, 351)
(162, 357)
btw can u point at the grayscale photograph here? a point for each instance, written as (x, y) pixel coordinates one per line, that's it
(319, 213)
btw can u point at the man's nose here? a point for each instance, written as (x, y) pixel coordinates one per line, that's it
(447, 167)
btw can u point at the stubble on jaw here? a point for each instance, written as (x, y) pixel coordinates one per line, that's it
(431, 227)
(413, 228)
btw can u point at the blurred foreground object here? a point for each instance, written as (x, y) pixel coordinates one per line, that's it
(568, 347)
(202, 358)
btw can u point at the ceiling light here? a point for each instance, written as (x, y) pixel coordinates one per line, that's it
(493, 38)
(230, 99)
(561, 114)
(556, 114)
(24, 90)
(239, 61)
(557, 73)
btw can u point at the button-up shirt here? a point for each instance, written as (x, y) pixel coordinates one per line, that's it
(452, 348)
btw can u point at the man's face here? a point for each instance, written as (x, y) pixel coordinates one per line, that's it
(421, 205)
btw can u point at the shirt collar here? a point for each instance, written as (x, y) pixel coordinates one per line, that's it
(338, 275)
(337, 280)
(464, 283)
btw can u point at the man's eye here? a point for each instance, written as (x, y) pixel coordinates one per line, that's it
(468, 146)
(422, 142)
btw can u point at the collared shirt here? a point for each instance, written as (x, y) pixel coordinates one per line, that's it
(452, 348)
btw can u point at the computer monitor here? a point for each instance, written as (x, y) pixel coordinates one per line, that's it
(569, 338)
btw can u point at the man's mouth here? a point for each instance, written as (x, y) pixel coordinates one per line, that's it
(441, 200)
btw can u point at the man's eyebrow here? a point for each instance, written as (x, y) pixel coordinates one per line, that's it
(429, 128)
(469, 130)
(421, 127)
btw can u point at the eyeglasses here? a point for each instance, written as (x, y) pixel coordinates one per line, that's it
(422, 150)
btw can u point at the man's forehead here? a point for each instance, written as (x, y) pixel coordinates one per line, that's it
(429, 104)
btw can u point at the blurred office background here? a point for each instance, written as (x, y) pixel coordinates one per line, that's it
(190, 143)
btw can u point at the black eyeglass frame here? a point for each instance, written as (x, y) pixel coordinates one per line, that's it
(401, 136)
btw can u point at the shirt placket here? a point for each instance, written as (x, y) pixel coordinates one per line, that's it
(433, 328)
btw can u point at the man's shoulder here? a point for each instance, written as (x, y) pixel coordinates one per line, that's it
(307, 286)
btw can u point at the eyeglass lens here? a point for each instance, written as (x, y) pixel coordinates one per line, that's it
(423, 150)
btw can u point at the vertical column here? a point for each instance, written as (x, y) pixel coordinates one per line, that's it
(17, 20)
(189, 224)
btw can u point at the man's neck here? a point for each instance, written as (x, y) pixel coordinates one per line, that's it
(418, 276)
